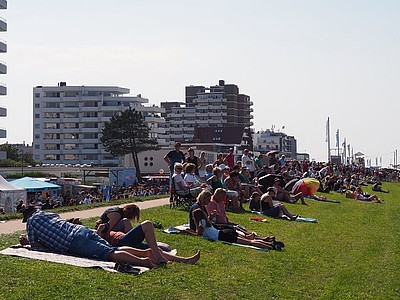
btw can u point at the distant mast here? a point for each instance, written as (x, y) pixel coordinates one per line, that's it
(328, 139)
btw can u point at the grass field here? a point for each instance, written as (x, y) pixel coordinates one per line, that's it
(353, 252)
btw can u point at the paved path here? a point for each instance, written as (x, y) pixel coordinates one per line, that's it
(16, 225)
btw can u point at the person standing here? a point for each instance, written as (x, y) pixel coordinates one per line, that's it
(194, 160)
(229, 159)
(173, 157)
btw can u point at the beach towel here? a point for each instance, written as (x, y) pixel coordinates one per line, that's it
(44, 255)
(298, 219)
(180, 228)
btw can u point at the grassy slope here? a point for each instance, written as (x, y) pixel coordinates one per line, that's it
(352, 253)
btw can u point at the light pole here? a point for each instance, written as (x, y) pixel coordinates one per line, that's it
(22, 162)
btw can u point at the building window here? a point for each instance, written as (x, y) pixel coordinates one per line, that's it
(37, 126)
(52, 105)
(51, 147)
(71, 146)
(51, 157)
(71, 157)
(90, 135)
(90, 114)
(37, 105)
(71, 136)
(51, 136)
(51, 125)
(71, 125)
(37, 116)
(37, 146)
(52, 115)
(37, 136)
(71, 104)
(71, 115)
(37, 95)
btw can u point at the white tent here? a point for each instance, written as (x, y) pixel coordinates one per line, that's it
(10, 195)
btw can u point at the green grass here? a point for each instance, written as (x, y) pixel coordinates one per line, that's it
(353, 252)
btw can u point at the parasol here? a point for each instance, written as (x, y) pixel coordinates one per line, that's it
(268, 180)
(272, 152)
(308, 186)
(289, 186)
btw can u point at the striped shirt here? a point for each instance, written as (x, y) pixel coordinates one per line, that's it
(48, 228)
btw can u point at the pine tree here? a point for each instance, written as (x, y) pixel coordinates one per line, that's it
(126, 133)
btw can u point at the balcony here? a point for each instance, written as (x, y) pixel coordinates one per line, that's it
(3, 46)
(3, 133)
(3, 24)
(3, 68)
(3, 89)
(3, 112)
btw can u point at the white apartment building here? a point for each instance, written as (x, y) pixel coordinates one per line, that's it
(3, 66)
(269, 140)
(68, 121)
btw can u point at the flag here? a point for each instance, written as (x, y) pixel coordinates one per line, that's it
(337, 138)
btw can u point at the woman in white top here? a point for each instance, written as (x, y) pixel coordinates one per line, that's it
(205, 229)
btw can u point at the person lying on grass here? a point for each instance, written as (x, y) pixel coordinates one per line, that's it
(205, 229)
(228, 234)
(49, 230)
(217, 214)
(358, 194)
(135, 237)
(267, 206)
(285, 196)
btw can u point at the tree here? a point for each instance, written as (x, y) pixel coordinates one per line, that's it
(126, 133)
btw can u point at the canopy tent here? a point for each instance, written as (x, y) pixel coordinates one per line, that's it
(10, 195)
(34, 185)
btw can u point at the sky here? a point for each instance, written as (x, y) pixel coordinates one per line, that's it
(299, 61)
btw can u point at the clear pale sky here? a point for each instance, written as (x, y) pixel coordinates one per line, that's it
(300, 61)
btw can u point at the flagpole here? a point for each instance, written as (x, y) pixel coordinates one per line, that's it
(328, 139)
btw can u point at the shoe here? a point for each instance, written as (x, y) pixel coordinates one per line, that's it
(126, 268)
(276, 247)
(280, 244)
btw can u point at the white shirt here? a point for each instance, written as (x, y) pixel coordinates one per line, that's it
(190, 178)
(248, 162)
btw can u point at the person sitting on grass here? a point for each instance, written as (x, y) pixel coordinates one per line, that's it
(233, 183)
(358, 194)
(275, 210)
(49, 230)
(205, 229)
(217, 214)
(376, 187)
(119, 218)
(285, 196)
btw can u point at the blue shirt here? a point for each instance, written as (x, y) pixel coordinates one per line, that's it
(175, 157)
(48, 228)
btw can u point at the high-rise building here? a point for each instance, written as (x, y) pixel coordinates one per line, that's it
(68, 122)
(216, 106)
(3, 66)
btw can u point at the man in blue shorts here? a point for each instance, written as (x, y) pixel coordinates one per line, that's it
(49, 230)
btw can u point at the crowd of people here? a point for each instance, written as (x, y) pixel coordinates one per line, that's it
(266, 182)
